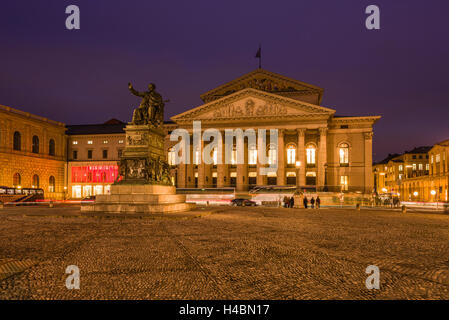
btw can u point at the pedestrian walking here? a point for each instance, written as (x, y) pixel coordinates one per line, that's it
(312, 203)
(286, 202)
(318, 202)
(305, 202)
(292, 202)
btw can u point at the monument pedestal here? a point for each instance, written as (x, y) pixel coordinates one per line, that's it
(140, 199)
(145, 186)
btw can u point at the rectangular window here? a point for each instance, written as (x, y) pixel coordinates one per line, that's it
(89, 154)
(75, 142)
(105, 141)
(105, 154)
(120, 141)
(75, 154)
(414, 167)
(427, 166)
(437, 158)
(344, 183)
(90, 142)
(401, 167)
(420, 166)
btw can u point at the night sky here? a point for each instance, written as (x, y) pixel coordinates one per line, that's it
(400, 72)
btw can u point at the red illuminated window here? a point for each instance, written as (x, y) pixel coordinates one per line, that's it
(95, 174)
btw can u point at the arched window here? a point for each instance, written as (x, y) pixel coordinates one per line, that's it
(35, 181)
(344, 154)
(311, 154)
(51, 147)
(291, 154)
(252, 156)
(16, 180)
(17, 141)
(35, 147)
(171, 156)
(51, 184)
(272, 156)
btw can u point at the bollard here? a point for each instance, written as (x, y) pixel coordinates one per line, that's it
(404, 209)
(357, 206)
(50, 204)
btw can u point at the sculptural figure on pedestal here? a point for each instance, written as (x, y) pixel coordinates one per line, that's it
(151, 108)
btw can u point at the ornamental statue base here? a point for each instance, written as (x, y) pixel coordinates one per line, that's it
(145, 185)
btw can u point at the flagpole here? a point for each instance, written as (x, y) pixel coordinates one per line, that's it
(260, 57)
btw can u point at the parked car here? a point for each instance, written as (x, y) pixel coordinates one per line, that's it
(243, 203)
(88, 199)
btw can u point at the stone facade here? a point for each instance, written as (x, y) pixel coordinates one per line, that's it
(391, 172)
(32, 152)
(316, 150)
(93, 149)
(434, 186)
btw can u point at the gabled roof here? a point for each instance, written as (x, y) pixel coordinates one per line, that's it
(263, 105)
(443, 143)
(266, 81)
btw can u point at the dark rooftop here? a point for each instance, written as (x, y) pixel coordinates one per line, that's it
(388, 158)
(110, 126)
(423, 149)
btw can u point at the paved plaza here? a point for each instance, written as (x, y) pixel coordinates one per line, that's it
(224, 253)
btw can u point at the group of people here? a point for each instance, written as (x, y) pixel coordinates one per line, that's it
(313, 202)
(290, 202)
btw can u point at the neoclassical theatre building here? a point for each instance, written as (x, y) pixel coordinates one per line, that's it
(316, 149)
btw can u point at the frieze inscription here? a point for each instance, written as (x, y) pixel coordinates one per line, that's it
(250, 109)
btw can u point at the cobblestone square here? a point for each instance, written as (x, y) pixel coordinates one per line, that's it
(224, 253)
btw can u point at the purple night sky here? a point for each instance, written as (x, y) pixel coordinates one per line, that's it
(400, 72)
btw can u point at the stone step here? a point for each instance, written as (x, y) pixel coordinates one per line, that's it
(140, 198)
(133, 208)
(142, 189)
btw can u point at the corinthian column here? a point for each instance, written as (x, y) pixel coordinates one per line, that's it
(201, 167)
(368, 162)
(281, 159)
(301, 180)
(322, 158)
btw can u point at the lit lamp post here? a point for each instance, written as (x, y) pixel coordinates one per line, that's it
(65, 192)
(433, 193)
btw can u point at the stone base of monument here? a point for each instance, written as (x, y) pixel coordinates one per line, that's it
(139, 199)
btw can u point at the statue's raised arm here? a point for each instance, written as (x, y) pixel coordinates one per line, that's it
(135, 92)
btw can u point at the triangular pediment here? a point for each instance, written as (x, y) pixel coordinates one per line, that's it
(267, 81)
(252, 104)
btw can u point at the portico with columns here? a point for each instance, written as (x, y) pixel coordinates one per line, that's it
(315, 148)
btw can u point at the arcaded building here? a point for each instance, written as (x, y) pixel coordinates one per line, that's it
(32, 152)
(317, 149)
